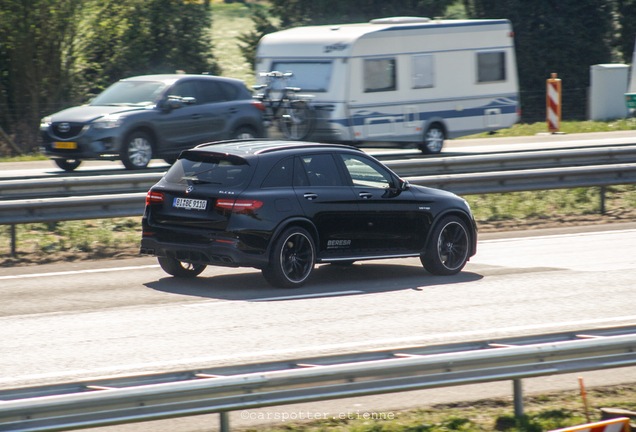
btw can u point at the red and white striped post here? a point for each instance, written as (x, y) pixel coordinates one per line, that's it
(553, 103)
(615, 425)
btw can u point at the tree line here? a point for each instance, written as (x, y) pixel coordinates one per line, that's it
(53, 53)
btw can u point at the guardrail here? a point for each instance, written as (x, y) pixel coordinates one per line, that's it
(518, 160)
(20, 211)
(77, 198)
(314, 382)
(409, 167)
(77, 186)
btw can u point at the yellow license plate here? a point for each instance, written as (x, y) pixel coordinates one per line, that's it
(67, 145)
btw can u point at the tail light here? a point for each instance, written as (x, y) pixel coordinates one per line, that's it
(153, 197)
(259, 105)
(238, 206)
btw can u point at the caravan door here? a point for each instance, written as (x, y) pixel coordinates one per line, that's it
(378, 110)
(372, 116)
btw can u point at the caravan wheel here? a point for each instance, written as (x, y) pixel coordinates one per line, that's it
(433, 139)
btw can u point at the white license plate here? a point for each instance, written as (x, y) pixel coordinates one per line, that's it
(190, 204)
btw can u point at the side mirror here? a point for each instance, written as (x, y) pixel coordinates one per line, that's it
(404, 185)
(171, 103)
(395, 191)
(176, 102)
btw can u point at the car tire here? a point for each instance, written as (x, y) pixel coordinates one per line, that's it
(244, 132)
(180, 269)
(292, 260)
(137, 150)
(68, 165)
(448, 249)
(433, 139)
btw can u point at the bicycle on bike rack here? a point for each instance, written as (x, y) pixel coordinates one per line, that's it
(283, 106)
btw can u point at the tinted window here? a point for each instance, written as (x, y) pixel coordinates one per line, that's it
(210, 92)
(184, 89)
(321, 170)
(280, 175)
(210, 170)
(230, 91)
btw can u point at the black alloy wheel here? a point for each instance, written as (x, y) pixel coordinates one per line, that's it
(293, 258)
(448, 250)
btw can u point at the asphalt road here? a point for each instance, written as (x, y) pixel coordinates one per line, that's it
(66, 322)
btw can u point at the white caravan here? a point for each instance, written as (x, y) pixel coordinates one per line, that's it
(401, 79)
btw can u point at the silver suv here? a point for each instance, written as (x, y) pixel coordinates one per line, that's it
(154, 116)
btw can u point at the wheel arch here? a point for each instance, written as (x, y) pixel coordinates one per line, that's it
(250, 123)
(142, 128)
(466, 218)
(288, 223)
(436, 121)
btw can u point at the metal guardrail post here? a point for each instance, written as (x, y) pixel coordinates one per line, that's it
(602, 203)
(224, 421)
(517, 389)
(13, 241)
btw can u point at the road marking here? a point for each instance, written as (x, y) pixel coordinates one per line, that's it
(76, 272)
(114, 269)
(304, 296)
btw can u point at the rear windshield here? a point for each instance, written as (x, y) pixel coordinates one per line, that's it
(195, 168)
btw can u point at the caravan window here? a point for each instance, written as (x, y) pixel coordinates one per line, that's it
(423, 76)
(309, 76)
(491, 66)
(379, 75)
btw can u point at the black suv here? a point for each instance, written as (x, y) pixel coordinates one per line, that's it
(283, 206)
(153, 116)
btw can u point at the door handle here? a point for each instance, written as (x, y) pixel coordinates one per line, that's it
(196, 116)
(310, 196)
(365, 195)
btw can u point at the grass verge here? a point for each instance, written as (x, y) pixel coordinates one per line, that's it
(542, 413)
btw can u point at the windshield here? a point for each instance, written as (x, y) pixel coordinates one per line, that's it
(130, 93)
(309, 76)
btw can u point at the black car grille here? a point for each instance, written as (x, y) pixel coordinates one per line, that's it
(66, 130)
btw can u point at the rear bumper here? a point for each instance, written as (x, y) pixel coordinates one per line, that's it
(216, 253)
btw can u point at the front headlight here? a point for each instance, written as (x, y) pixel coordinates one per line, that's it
(108, 122)
(46, 122)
